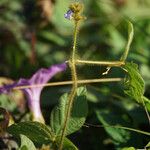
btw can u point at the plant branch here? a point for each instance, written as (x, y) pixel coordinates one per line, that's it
(74, 85)
(118, 127)
(102, 63)
(87, 81)
(130, 38)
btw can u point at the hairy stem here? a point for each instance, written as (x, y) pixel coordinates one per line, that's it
(102, 63)
(74, 86)
(86, 81)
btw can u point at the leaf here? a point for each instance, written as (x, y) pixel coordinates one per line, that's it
(78, 115)
(128, 148)
(147, 147)
(130, 38)
(108, 118)
(134, 83)
(26, 143)
(24, 148)
(37, 132)
(67, 145)
(147, 103)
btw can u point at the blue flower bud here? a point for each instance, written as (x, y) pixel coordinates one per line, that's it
(68, 14)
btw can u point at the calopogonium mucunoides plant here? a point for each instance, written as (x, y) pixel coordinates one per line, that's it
(70, 114)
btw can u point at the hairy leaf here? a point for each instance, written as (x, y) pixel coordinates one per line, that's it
(67, 145)
(134, 83)
(78, 114)
(37, 132)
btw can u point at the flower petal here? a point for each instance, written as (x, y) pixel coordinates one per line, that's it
(33, 94)
(68, 14)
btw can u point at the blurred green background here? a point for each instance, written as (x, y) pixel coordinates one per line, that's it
(35, 34)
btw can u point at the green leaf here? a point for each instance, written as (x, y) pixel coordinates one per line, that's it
(26, 143)
(108, 119)
(134, 83)
(147, 146)
(37, 132)
(78, 115)
(147, 103)
(128, 148)
(24, 148)
(67, 145)
(130, 38)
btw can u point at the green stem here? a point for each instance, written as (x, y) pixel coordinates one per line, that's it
(101, 63)
(145, 108)
(118, 127)
(86, 81)
(74, 86)
(130, 38)
(131, 129)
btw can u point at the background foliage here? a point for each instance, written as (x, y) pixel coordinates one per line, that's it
(34, 34)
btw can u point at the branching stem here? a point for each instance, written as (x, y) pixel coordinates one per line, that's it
(74, 86)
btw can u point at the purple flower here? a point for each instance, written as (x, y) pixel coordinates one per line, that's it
(33, 94)
(68, 14)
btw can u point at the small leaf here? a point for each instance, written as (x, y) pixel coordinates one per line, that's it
(37, 132)
(67, 145)
(26, 143)
(130, 38)
(134, 83)
(78, 115)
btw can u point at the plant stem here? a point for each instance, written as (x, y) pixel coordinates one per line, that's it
(118, 127)
(68, 83)
(102, 63)
(145, 108)
(130, 38)
(74, 86)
